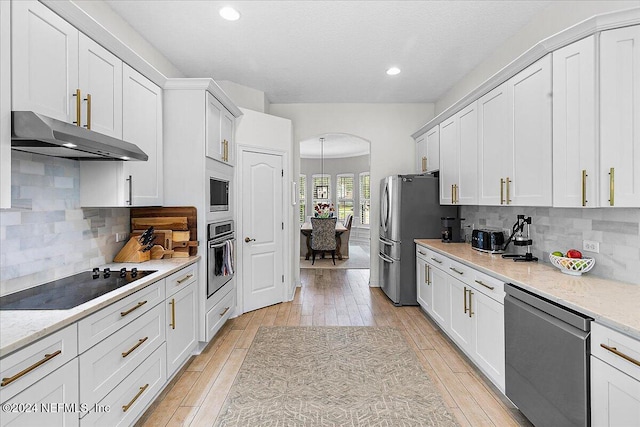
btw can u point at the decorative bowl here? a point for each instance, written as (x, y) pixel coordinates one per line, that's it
(572, 266)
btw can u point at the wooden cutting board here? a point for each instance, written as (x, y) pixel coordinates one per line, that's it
(171, 212)
(162, 223)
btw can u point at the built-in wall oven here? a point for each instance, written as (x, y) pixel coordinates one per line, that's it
(220, 255)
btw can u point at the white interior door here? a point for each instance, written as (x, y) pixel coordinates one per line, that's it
(262, 225)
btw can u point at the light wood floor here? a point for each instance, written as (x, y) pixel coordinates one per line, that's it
(330, 298)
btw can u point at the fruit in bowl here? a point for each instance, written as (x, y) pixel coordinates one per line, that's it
(574, 253)
(572, 263)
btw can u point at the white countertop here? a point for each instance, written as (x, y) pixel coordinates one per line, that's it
(610, 303)
(19, 328)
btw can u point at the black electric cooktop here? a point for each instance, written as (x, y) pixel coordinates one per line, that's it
(71, 291)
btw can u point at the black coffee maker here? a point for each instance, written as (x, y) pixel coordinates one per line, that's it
(451, 229)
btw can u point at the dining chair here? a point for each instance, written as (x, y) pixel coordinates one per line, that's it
(344, 237)
(323, 237)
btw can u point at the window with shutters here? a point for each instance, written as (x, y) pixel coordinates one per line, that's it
(302, 194)
(344, 193)
(365, 198)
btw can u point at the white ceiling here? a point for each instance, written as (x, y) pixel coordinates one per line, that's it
(330, 51)
(335, 145)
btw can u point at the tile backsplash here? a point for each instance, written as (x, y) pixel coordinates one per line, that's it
(47, 235)
(559, 229)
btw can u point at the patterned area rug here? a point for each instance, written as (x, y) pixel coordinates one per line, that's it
(332, 376)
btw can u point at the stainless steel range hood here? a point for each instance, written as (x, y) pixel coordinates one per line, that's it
(35, 133)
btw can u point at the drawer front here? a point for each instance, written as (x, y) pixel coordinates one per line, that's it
(109, 362)
(438, 261)
(98, 326)
(623, 351)
(423, 253)
(52, 401)
(220, 313)
(24, 367)
(181, 279)
(134, 394)
(460, 271)
(490, 286)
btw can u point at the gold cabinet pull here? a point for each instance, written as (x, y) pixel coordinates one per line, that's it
(187, 277)
(224, 311)
(452, 194)
(437, 260)
(135, 307)
(470, 304)
(173, 313)
(502, 191)
(421, 253)
(465, 300)
(456, 270)
(424, 163)
(88, 99)
(508, 197)
(138, 344)
(456, 188)
(584, 187)
(78, 104)
(47, 357)
(480, 282)
(126, 407)
(426, 274)
(621, 354)
(611, 186)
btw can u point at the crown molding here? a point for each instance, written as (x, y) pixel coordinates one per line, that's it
(207, 84)
(586, 28)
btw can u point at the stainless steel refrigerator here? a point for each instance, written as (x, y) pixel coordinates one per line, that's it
(409, 209)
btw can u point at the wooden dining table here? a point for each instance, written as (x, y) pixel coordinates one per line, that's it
(306, 229)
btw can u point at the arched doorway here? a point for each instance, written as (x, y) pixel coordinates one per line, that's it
(335, 171)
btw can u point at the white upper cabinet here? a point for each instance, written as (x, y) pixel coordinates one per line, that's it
(44, 61)
(575, 149)
(219, 131)
(130, 183)
(53, 63)
(494, 145)
(5, 105)
(142, 126)
(620, 117)
(449, 163)
(100, 82)
(428, 151)
(529, 182)
(459, 158)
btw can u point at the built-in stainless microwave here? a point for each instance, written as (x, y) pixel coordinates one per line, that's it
(218, 195)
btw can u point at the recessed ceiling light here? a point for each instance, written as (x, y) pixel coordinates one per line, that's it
(229, 13)
(393, 71)
(125, 158)
(69, 145)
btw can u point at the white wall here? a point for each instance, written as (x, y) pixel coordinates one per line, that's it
(557, 17)
(387, 126)
(245, 97)
(102, 13)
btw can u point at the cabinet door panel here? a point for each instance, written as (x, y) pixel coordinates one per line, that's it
(620, 115)
(467, 192)
(226, 134)
(531, 154)
(488, 351)
(441, 297)
(425, 296)
(142, 125)
(182, 330)
(100, 76)
(421, 160)
(44, 61)
(494, 140)
(448, 160)
(461, 322)
(433, 149)
(213, 135)
(615, 397)
(574, 124)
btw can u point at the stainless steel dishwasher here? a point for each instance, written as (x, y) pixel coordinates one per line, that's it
(547, 359)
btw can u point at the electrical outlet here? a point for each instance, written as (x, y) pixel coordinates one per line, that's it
(121, 237)
(591, 246)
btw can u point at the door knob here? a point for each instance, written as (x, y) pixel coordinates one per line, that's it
(247, 240)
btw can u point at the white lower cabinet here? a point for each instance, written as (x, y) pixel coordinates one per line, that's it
(221, 311)
(181, 327)
(469, 307)
(125, 403)
(51, 401)
(615, 378)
